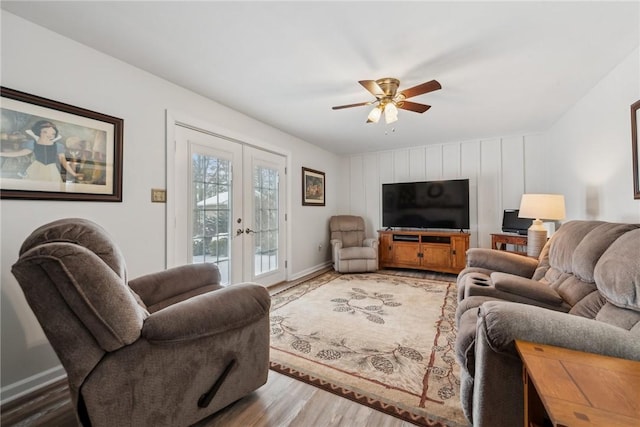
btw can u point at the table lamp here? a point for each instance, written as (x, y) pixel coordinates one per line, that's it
(539, 207)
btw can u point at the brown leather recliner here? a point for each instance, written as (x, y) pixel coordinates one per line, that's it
(165, 349)
(351, 250)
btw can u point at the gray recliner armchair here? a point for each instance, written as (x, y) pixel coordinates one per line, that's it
(351, 250)
(165, 349)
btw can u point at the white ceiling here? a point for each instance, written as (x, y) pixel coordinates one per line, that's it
(506, 68)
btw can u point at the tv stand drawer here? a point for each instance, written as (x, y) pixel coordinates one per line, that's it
(406, 238)
(443, 240)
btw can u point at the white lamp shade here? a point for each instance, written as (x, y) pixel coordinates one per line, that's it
(374, 115)
(542, 206)
(390, 113)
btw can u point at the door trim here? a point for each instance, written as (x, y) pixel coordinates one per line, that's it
(175, 118)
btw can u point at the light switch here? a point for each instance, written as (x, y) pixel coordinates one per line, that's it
(158, 195)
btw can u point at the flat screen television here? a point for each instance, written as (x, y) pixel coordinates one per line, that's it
(512, 223)
(426, 204)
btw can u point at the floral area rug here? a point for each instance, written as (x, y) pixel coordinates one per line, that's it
(383, 341)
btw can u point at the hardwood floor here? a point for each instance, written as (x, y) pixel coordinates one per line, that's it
(281, 402)
(284, 401)
(49, 406)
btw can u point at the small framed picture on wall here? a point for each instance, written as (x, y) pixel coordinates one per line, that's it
(313, 187)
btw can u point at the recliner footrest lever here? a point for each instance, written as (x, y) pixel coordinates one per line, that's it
(206, 398)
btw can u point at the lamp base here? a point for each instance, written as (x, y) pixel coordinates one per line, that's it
(536, 238)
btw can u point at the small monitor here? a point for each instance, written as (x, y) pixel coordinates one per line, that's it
(511, 223)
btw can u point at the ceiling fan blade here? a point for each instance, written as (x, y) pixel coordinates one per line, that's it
(359, 104)
(373, 87)
(421, 88)
(413, 106)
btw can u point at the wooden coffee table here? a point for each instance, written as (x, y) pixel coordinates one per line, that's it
(572, 389)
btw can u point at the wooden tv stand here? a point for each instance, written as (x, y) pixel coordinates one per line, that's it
(440, 251)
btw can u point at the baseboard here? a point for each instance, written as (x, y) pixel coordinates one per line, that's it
(311, 270)
(31, 384)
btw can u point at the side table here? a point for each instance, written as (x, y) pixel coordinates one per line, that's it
(577, 389)
(500, 242)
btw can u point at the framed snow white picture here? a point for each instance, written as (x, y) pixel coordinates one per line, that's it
(55, 151)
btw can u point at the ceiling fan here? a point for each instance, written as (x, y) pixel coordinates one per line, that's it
(388, 99)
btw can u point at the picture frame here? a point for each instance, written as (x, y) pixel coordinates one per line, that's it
(635, 147)
(50, 150)
(313, 187)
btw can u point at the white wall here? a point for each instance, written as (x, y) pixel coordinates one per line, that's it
(37, 61)
(497, 170)
(591, 144)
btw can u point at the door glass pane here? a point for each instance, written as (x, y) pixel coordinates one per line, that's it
(265, 190)
(211, 189)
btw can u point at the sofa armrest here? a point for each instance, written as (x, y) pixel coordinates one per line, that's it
(336, 245)
(504, 322)
(525, 287)
(503, 261)
(471, 303)
(488, 290)
(373, 243)
(497, 373)
(163, 285)
(208, 314)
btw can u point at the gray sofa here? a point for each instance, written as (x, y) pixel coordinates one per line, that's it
(582, 293)
(164, 349)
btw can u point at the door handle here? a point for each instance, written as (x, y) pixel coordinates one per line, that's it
(248, 230)
(239, 231)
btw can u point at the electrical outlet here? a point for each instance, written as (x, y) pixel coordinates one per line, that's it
(158, 195)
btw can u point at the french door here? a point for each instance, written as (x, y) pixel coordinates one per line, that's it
(229, 207)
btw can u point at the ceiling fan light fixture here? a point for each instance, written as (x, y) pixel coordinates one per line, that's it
(375, 114)
(389, 100)
(390, 113)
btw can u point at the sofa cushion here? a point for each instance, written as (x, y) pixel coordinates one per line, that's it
(589, 306)
(566, 240)
(572, 289)
(620, 317)
(543, 262)
(357, 252)
(594, 244)
(574, 252)
(617, 274)
(349, 229)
